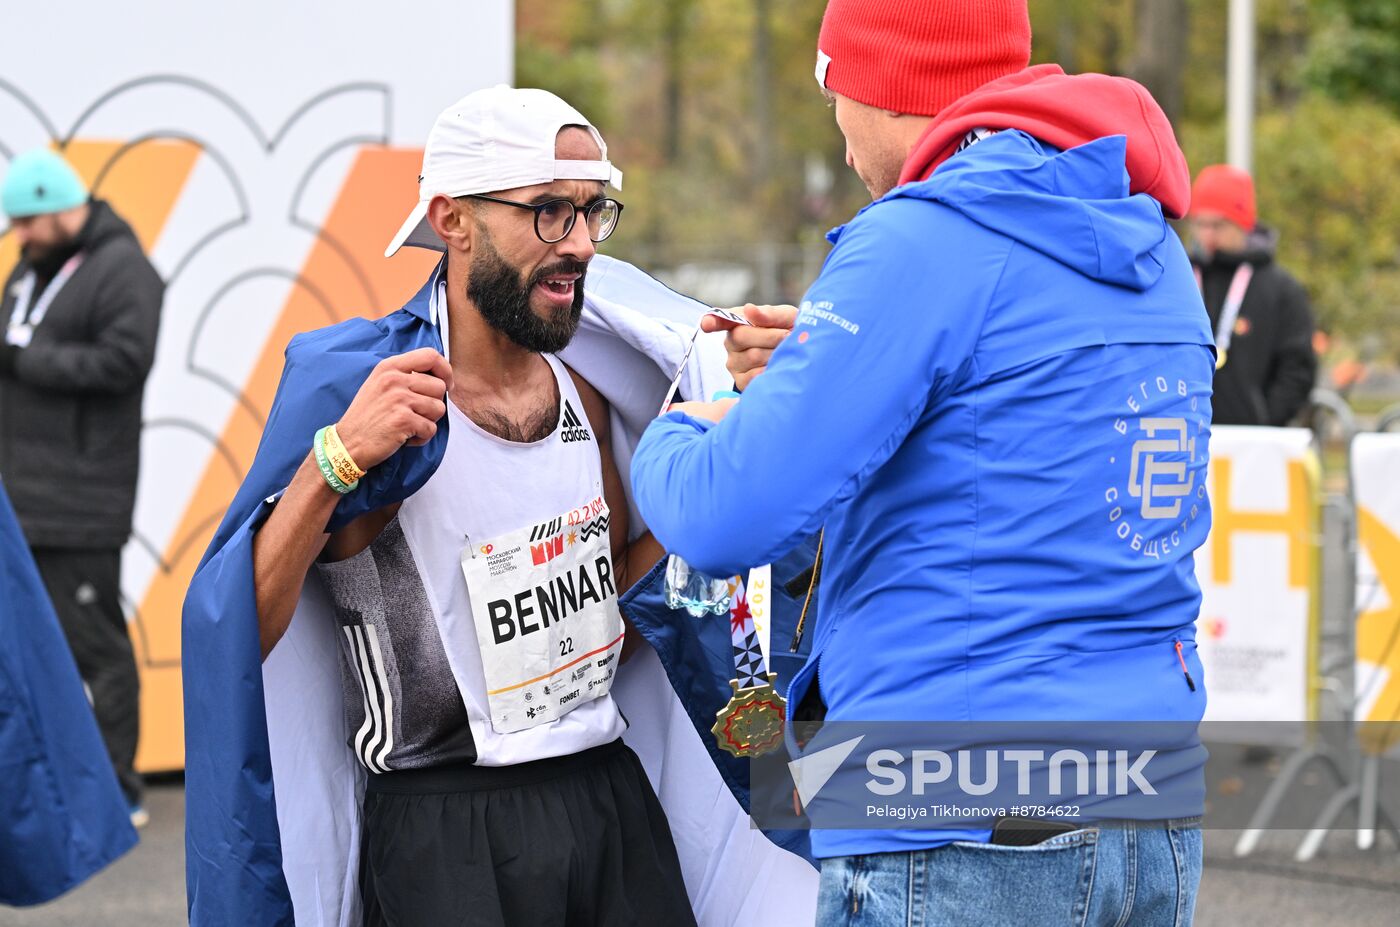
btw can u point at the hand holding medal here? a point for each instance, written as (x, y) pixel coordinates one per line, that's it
(751, 724)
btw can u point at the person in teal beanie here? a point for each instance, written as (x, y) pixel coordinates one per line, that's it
(81, 309)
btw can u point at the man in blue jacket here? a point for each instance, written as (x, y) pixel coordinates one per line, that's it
(996, 400)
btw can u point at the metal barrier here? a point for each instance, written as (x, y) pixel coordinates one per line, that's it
(1357, 773)
(1389, 419)
(1329, 416)
(1325, 402)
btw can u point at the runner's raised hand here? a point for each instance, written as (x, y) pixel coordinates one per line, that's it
(401, 403)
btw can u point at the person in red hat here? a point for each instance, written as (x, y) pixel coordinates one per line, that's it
(1265, 362)
(996, 406)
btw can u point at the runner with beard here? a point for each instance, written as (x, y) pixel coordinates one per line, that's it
(479, 623)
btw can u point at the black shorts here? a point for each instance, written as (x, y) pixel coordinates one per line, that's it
(575, 841)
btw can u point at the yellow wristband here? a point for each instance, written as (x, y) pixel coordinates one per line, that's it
(340, 459)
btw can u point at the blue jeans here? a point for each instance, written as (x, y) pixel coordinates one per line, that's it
(1143, 874)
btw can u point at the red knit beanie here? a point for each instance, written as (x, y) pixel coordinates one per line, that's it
(917, 56)
(1225, 191)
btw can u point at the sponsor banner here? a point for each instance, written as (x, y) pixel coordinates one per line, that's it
(264, 197)
(1375, 461)
(1259, 575)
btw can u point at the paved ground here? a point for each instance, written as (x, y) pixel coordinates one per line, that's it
(1342, 887)
(145, 888)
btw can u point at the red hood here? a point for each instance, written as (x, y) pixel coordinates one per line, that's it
(1065, 111)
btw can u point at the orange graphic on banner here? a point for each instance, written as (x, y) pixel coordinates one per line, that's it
(142, 185)
(377, 192)
(1295, 522)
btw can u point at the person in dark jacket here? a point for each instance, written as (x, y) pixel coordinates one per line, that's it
(1266, 366)
(82, 308)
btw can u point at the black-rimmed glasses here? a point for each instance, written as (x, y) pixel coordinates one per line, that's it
(554, 219)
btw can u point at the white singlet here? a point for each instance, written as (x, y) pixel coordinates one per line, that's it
(491, 590)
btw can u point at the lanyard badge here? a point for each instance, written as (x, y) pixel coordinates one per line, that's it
(1230, 311)
(27, 313)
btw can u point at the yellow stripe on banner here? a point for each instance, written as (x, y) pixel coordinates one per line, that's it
(1299, 523)
(1294, 522)
(1312, 487)
(1378, 633)
(142, 185)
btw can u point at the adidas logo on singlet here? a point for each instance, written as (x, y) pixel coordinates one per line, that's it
(573, 429)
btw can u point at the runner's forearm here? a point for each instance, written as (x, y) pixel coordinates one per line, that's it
(286, 546)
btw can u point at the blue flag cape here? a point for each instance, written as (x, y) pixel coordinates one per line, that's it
(273, 792)
(62, 815)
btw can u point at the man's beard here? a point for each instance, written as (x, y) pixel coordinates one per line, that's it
(47, 260)
(503, 299)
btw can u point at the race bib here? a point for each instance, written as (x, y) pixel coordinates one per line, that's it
(544, 602)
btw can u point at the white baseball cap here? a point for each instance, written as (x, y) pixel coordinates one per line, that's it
(496, 139)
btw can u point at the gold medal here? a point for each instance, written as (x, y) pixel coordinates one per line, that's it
(1220, 355)
(752, 723)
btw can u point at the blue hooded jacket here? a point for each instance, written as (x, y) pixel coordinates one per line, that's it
(996, 398)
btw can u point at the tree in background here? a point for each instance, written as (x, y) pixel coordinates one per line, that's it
(1158, 60)
(711, 107)
(1356, 50)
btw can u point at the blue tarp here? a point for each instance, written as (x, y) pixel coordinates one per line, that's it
(62, 815)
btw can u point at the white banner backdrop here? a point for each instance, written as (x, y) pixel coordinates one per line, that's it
(264, 152)
(1258, 572)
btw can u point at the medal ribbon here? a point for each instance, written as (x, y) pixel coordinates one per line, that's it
(752, 723)
(749, 604)
(724, 314)
(751, 599)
